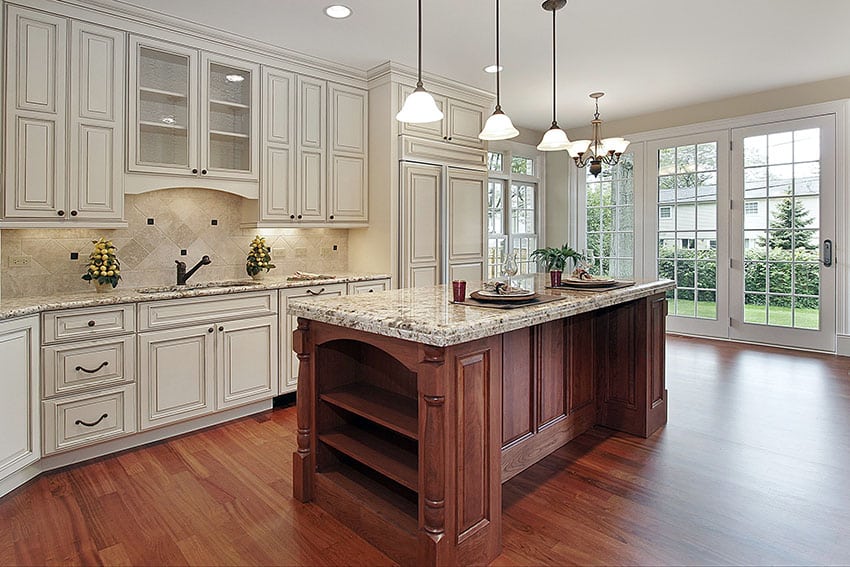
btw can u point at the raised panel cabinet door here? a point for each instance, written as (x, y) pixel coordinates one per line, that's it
(288, 358)
(96, 152)
(466, 196)
(36, 47)
(349, 119)
(247, 367)
(163, 108)
(176, 374)
(311, 111)
(348, 183)
(434, 130)
(35, 166)
(312, 198)
(278, 185)
(20, 442)
(279, 106)
(230, 124)
(421, 229)
(465, 123)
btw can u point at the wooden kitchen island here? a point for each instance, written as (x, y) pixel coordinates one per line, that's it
(413, 411)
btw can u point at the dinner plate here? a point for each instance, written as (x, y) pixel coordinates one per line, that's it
(484, 295)
(577, 282)
(516, 293)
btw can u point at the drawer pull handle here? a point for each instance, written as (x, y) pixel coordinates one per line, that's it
(91, 323)
(81, 422)
(87, 371)
(320, 292)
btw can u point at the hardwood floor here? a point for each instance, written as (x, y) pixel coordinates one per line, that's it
(753, 467)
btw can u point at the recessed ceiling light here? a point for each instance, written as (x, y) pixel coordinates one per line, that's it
(234, 78)
(493, 68)
(338, 11)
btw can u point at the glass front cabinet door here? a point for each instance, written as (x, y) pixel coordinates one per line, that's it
(190, 121)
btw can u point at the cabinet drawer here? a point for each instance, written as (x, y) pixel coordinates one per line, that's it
(89, 322)
(86, 419)
(180, 312)
(355, 288)
(77, 366)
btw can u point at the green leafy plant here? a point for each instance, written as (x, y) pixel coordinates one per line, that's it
(103, 267)
(259, 257)
(554, 258)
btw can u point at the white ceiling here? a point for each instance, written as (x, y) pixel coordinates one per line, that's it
(647, 55)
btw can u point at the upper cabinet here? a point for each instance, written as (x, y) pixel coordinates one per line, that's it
(192, 113)
(461, 123)
(64, 134)
(315, 152)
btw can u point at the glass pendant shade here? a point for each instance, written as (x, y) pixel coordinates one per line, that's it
(419, 108)
(498, 127)
(616, 145)
(578, 147)
(554, 140)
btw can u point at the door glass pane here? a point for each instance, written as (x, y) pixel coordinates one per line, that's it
(687, 227)
(229, 118)
(610, 218)
(163, 108)
(781, 228)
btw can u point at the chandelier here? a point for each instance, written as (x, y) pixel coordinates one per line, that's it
(596, 151)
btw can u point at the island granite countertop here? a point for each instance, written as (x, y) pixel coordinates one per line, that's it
(21, 306)
(427, 315)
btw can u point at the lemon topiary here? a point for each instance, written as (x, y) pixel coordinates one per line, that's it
(259, 257)
(103, 267)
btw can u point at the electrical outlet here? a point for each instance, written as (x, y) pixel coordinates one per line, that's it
(19, 261)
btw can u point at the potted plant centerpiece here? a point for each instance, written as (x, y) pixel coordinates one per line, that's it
(103, 268)
(259, 258)
(554, 260)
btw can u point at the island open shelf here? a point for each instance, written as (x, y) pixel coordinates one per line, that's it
(410, 419)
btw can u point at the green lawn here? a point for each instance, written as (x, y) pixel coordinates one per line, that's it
(780, 316)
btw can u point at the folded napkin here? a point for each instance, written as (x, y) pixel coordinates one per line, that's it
(502, 288)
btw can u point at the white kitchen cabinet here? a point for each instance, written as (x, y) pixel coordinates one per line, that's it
(315, 170)
(444, 224)
(192, 113)
(20, 442)
(201, 355)
(63, 160)
(288, 323)
(176, 374)
(347, 163)
(370, 286)
(85, 419)
(462, 121)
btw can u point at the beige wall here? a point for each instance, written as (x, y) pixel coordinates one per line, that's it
(765, 101)
(182, 220)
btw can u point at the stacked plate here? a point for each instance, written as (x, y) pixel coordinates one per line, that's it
(592, 282)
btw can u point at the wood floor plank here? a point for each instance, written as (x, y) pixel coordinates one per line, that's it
(751, 469)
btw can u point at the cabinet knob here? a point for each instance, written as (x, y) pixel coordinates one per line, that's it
(60, 213)
(91, 323)
(203, 172)
(194, 170)
(74, 213)
(371, 291)
(450, 138)
(445, 137)
(221, 328)
(299, 217)
(210, 330)
(292, 217)
(332, 217)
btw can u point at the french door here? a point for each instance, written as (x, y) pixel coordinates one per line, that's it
(782, 285)
(746, 230)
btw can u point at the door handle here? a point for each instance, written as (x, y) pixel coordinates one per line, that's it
(826, 257)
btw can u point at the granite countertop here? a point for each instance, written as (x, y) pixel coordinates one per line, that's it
(20, 306)
(426, 315)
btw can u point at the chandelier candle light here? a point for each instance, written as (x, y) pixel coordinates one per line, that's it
(596, 152)
(554, 139)
(419, 106)
(499, 125)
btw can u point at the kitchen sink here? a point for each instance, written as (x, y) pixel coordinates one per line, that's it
(204, 285)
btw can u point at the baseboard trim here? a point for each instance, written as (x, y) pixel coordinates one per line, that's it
(843, 345)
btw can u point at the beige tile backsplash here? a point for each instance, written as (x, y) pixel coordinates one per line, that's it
(182, 220)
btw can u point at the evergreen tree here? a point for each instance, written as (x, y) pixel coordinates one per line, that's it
(787, 219)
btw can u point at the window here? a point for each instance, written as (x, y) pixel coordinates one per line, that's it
(665, 213)
(611, 218)
(751, 207)
(513, 210)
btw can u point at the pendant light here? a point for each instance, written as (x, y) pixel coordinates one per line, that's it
(499, 125)
(419, 106)
(554, 139)
(595, 152)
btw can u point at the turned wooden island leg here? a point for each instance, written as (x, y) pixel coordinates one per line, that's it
(303, 460)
